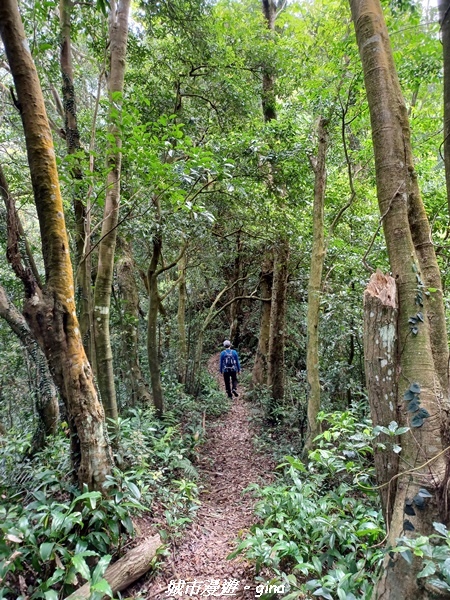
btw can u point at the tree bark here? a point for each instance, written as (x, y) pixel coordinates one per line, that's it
(72, 135)
(47, 401)
(276, 374)
(50, 312)
(236, 307)
(152, 328)
(276, 367)
(181, 320)
(130, 303)
(428, 437)
(318, 251)
(444, 17)
(259, 372)
(118, 35)
(126, 570)
(382, 369)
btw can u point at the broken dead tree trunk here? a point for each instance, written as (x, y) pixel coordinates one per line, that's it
(126, 570)
(380, 357)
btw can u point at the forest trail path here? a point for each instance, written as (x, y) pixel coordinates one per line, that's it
(228, 463)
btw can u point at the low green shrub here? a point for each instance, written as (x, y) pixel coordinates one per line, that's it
(53, 535)
(317, 531)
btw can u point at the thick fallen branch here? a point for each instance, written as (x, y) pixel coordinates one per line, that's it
(126, 570)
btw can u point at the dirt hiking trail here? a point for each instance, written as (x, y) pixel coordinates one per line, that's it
(228, 463)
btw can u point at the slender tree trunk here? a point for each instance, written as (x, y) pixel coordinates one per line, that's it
(83, 277)
(276, 374)
(181, 320)
(154, 364)
(118, 34)
(130, 304)
(417, 368)
(50, 312)
(236, 307)
(276, 367)
(314, 286)
(259, 372)
(47, 401)
(444, 17)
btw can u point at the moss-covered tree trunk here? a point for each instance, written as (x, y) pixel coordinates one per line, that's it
(50, 311)
(315, 285)
(72, 135)
(420, 402)
(125, 269)
(118, 35)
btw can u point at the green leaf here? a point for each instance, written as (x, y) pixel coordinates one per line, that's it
(324, 592)
(51, 595)
(101, 568)
(102, 586)
(45, 550)
(81, 566)
(402, 430)
(407, 555)
(134, 490)
(396, 448)
(429, 569)
(441, 528)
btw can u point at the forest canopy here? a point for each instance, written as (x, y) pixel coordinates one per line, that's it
(183, 172)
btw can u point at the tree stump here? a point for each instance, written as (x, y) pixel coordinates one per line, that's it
(380, 360)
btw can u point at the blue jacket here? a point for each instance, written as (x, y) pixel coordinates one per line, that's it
(222, 360)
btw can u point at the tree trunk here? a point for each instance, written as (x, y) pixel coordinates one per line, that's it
(276, 375)
(417, 370)
(181, 320)
(126, 570)
(83, 271)
(50, 312)
(236, 306)
(382, 368)
(118, 34)
(47, 402)
(444, 17)
(130, 305)
(259, 372)
(314, 286)
(152, 328)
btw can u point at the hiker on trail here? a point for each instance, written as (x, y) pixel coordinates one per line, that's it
(230, 368)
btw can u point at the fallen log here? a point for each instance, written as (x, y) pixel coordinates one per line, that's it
(126, 570)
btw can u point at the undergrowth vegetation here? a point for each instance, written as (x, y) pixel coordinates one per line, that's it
(54, 536)
(319, 532)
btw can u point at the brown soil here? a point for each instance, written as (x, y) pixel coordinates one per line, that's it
(228, 464)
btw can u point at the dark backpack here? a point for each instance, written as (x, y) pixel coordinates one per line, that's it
(229, 362)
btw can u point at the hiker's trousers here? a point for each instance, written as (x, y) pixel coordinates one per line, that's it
(230, 378)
